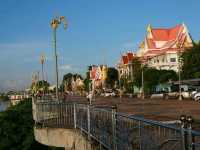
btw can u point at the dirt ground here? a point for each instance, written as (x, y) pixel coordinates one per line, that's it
(154, 109)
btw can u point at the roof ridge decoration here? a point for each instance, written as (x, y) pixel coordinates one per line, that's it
(149, 31)
(164, 39)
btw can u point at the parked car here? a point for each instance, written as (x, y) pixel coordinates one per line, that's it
(108, 93)
(158, 95)
(194, 92)
(197, 96)
(175, 94)
(171, 95)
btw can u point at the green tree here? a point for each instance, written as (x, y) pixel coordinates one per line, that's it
(191, 62)
(76, 76)
(137, 72)
(167, 75)
(16, 128)
(67, 81)
(112, 77)
(41, 85)
(4, 97)
(87, 81)
(152, 76)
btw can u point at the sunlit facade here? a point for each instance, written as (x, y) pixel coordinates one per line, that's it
(160, 49)
(161, 46)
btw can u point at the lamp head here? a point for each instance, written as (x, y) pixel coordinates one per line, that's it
(42, 58)
(54, 23)
(62, 19)
(58, 20)
(183, 118)
(190, 119)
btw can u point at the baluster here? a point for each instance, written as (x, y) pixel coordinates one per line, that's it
(114, 144)
(88, 119)
(74, 115)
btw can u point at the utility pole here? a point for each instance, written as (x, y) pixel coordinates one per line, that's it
(54, 24)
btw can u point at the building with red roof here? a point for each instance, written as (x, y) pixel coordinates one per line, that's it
(125, 65)
(161, 46)
(159, 49)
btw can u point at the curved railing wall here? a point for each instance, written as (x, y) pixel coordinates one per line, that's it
(114, 130)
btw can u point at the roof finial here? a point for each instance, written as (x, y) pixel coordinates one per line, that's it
(149, 31)
(149, 28)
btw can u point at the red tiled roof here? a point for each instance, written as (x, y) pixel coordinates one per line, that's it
(160, 34)
(130, 56)
(170, 36)
(151, 44)
(174, 32)
(125, 59)
(160, 41)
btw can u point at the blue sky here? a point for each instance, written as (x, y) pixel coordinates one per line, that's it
(98, 31)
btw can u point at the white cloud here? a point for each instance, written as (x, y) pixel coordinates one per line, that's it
(65, 67)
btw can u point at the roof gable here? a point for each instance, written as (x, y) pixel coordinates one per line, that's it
(161, 34)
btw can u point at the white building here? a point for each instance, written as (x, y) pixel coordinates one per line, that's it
(16, 98)
(160, 49)
(161, 46)
(125, 65)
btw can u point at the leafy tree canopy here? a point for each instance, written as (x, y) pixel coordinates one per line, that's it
(16, 131)
(87, 80)
(4, 97)
(137, 72)
(67, 80)
(40, 85)
(152, 76)
(191, 62)
(112, 77)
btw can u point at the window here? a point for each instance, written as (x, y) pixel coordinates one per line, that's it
(172, 59)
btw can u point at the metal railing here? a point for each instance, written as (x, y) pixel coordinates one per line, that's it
(113, 130)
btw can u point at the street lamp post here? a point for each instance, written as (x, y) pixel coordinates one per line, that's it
(142, 82)
(179, 77)
(54, 24)
(42, 61)
(179, 70)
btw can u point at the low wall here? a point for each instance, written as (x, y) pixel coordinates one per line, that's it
(67, 138)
